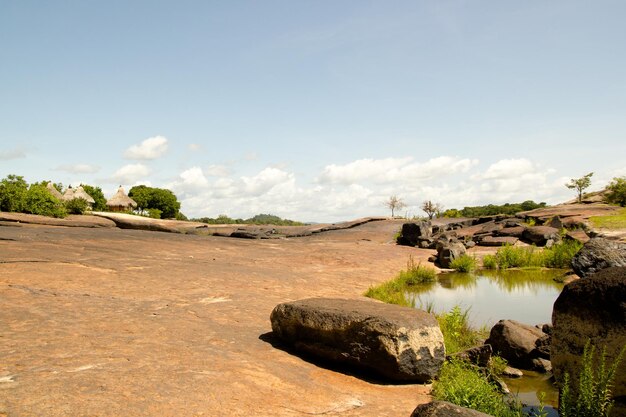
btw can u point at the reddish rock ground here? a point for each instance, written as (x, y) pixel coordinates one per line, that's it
(110, 322)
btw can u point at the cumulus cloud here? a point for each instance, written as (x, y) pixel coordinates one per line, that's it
(265, 180)
(389, 170)
(7, 155)
(194, 178)
(218, 171)
(131, 173)
(78, 168)
(151, 148)
(508, 168)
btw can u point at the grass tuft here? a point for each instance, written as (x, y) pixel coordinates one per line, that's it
(613, 221)
(557, 256)
(464, 263)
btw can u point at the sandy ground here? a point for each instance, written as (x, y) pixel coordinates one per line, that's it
(110, 322)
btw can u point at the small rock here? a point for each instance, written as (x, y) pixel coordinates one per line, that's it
(511, 372)
(445, 409)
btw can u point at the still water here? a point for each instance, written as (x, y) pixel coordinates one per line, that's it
(526, 296)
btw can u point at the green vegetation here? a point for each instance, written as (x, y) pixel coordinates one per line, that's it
(580, 184)
(617, 191)
(593, 398)
(492, 209)
(98, 196)
(76, 206)
(464, 384)
(150, 198)
(557, 256)
(17, 196)
(393, 292)
(13, 191)
(457, 333)
(613, 221)
(464, 263)
(258, 219)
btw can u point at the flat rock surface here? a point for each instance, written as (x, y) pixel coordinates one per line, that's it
(111, 322)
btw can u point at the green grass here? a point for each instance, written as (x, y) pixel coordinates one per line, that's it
(458, 335)
(558, 256)
(613, 221)
(393, 292)
(464, 263)
(593, 397)
(465, 385)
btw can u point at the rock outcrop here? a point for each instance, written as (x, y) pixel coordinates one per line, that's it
(521, 345)
(541, 235)
(397, 343)
(590, 309)
(597, 254)
(445, 409)
(449, 249)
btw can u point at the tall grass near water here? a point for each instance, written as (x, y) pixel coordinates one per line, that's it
(557, 256)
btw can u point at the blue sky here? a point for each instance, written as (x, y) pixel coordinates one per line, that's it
(315, 110)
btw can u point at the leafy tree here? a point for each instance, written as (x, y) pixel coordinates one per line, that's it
(38, 200)
(155, 198)
(394, 203)
(617, 191)
(580, 184)
(98, 196)
(76, 205)
(13, 191)
(431, 208)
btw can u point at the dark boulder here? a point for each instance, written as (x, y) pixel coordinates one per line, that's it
(598, 254)
(515, 231)
(478, 355)
(448, 251)
(412, 233)
(397, 343)
(498, 241)
(518, 344)
(445, 409)
(591, 309)
(541, 235)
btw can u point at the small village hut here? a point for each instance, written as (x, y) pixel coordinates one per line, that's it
(81, 193)
(121, 202)
(55, 193)
(68, 194)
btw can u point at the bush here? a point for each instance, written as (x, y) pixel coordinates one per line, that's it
(593, 398)
(617, 191)
(465, 385)
(76, 206)
(39, 201)
(560, 256)
(464, 263)
(490, 262)
(457, 333)
(415, 273)
(154, 213)
(13, 191)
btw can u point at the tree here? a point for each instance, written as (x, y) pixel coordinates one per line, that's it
(579, 184)
(148, 198)
(431, 208)
(617, 191)
(38, 200)
(13, 191)
(394, 203)
(98, 196)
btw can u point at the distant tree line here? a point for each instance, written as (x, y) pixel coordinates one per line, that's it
(258, 219)
(493, 209)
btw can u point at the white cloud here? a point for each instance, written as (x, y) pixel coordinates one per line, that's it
(265, 180)
(78, 168)
(218, 171)
(12, 154)
(194, 177)
(509, 168)
(151, 148)
(131, 173)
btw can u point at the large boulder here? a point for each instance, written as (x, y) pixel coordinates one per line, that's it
(520, 344)
(591, 309)
(498, 241)
(413, 233)
(597, 254)
(449, 249)
(398, 343)
(445, 409)
(541, 235)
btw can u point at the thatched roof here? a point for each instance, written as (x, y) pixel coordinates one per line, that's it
(120, 199)
(81, 193)
(52, 189)
(68, 194)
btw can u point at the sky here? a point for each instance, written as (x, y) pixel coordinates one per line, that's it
(315, 110)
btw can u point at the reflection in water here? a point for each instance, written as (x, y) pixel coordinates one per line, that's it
(523, 295)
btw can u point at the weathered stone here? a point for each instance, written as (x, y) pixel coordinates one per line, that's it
(516, 342)
(578, 235)
(539, 235)
(555, 222)
(491, 227)
(469, 244)
(445, 409)
(498, 241)
(412, 233)
(478, 355)
(541, 365)
(448, 252)
(515, 231)
(591, 309)
(598, 254)
(511, 372)
(398, 343)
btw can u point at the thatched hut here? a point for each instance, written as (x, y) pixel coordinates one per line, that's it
(68, 194)
(55, 193)
(121, 202)
(81, 193)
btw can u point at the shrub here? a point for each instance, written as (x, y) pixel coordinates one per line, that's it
(415, 273)
(465, 385)
(560, 256)
(39, 201)
(76, 206)
(457, 333)
(490, 262)
(154, 213)
(617, 191)
(594, 389)
(464, 263)
(13, 191)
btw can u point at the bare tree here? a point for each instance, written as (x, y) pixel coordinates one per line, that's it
(395, 203)
(431, 208)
